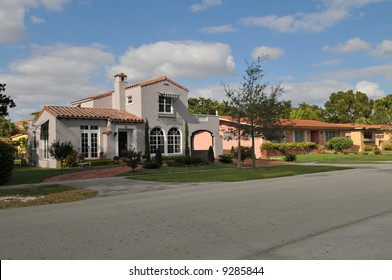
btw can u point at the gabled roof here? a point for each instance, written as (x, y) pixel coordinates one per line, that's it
(91, 113)
(157, 80)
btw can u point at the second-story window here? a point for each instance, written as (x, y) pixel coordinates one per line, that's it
(165, 104)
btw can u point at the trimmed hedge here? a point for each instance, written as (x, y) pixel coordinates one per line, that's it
(388, 147)
(339, 143)
(186, 161)
(289, 146)
(6, 162)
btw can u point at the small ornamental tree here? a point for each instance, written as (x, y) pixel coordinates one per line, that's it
(147, 154)
(210, 155)
(134, 159)
(187, 150)
(60, 150)
(6, 161)
(158, 156)
(340, 144)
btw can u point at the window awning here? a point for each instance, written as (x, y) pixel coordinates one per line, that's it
(171, 95)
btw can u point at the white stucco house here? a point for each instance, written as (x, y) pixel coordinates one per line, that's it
(107, 124)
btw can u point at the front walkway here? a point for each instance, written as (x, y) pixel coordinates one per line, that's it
(89, 174)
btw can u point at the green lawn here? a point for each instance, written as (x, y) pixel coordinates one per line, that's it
(31, 175)
(47, 194)
(350, 158)
(226, 173)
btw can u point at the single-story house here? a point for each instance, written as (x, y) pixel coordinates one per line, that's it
(311, 131)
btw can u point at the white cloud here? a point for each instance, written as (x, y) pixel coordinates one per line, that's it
(37, 20)
(334, 12)
(177, 59)
(205, 4)
(317, 92)
(219, 29)
(56, 75)
(362, 73)
(12, 16)
(372, 90)
(271, 53)
(384, 49)
(215, 92)
(351, 45)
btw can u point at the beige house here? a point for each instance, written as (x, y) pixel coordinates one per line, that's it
(107, 124)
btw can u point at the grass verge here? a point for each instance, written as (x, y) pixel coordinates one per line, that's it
(40, 195)
(227, 174)
(350, 158)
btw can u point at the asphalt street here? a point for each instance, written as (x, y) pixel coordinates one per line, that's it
(335, 215)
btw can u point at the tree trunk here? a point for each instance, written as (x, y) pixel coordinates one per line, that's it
(253, 144)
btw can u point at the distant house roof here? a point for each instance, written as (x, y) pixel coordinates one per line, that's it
(91, 113)
(18, 136)
(99, 96)
(312, 124)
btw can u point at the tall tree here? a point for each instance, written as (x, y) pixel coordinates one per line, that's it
(60, 150)
(5, 102)
(348, 107)
(258, 102)
(7, 128)
(307, 112)
(208, 106)
(383, 110)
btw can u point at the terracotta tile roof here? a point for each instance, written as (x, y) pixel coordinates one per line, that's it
(91, 113)
(157, 80)
(93, 97)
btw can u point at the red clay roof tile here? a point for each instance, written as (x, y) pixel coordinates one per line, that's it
(91, 113)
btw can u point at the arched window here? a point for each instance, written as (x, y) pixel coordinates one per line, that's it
(157, 140)
(174, 141)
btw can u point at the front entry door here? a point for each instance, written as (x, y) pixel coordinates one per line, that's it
(122, 143)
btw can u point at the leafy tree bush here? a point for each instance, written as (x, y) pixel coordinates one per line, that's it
(151, 164)
(226, 158)
(289, 146)
(134, 159)
(246, 152)
(369, 148)
(60, 150)
(72, 159)
(377, 152)
(388, 147)
(186, 161)
(340, 143)
(210, 155)
(6, 162)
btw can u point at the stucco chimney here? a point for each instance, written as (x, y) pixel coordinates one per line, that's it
(118, 97)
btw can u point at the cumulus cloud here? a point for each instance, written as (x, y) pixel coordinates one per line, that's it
(12, 16)
(271, 53)
(56, 75)
(205, 4)
(384, 70)
(333, 12)
(384, 49)
(218, 29)
(37, 20)
(351, 45)
(177, 59)
(372, 90)
(316, 92)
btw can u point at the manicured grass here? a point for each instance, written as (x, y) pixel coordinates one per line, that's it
(350, 158)
(228, 173)
(31, 175)
(47, 194)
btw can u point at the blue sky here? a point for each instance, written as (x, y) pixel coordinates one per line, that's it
(56, 51)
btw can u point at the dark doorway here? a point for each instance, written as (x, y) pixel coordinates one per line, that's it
(314, 137)
(122, 143)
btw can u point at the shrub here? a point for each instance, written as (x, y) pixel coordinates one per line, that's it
(246, 152)
(340, 143)
(388, 147)
(151, 164)
(283, 147)
(368, 148)
(134, 159)
(226, 158)
(6, 162)
(186, 161)
(72, 159)
(210, 155)
(290, 157)
(377, 152)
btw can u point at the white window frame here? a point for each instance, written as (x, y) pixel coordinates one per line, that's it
(129, 99)
(155, 140)
(164, 102)
(174, 141)
(90, 131)
(303, 132)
